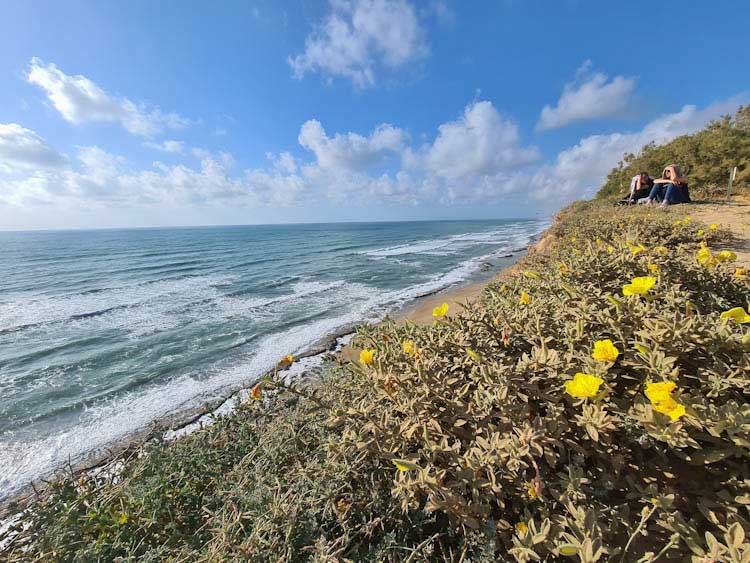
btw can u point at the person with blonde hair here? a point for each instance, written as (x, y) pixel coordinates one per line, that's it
(671, 188)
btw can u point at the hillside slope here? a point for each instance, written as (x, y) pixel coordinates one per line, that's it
(706, 156)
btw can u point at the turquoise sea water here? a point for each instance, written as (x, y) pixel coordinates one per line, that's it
(103, 332)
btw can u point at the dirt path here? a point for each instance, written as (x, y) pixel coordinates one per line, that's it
(736, 217)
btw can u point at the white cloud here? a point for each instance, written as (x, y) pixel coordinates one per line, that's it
(479, 143)
(23, 149)
(173, 147)
(475, 159)
(350, 151)
(79, 100)
(359, 37)
(589, 96)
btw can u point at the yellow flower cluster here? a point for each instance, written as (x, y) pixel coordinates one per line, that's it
(366, 357)
(440, 311)
(605, 351)
(636, 249)
(583, 386)
(639, 286)
(525, 298)
(738, 315)
(726, 256)
(660, 395)
(409, 347)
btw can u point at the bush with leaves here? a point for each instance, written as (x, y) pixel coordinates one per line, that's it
(592, 406)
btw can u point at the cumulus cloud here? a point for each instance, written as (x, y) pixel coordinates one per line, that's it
(359, 37)
(79, 100)
(479, 143)
(349, 151)
(477, 159)
(589, 96)
(22, 149)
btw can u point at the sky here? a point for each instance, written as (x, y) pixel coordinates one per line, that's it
(142, 113)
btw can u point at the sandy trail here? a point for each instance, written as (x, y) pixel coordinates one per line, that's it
(735, 216)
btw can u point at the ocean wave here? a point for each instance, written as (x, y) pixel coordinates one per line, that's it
(455, 243)
(202, 310)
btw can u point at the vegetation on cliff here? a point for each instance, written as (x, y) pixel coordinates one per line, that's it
(592, 406)
(706, 156)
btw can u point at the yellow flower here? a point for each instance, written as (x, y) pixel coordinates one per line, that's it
(522, 528)
(738, 315)
(530, 274)
(661, 250)
(677, 223)
(440, 311)
(563, 268)
(409, 347)
(610, 249)
(366, 356)
(503, 288)
(713, 226)
(525, 298)
(287, 360)
(653, 268)
(583, 386)
(701, 232)
(740, 273)
(256, 393)
(573, 239)
(726, 256)
(605, 351)
(686, 220)
(531, 489)
(473, 355)
(404, 465)
(660, 391)
(660, 395)
(123, 518)
(704, 256)
(636, 249)
(639, 286)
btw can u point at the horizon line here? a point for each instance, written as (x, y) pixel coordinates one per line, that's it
(289, 224)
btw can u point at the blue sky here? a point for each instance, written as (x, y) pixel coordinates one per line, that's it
(140, 113)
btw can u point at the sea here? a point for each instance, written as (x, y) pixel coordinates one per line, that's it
(104, 332)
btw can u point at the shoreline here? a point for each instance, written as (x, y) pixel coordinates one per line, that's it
(332, 347)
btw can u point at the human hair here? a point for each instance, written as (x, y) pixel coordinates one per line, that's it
(674, 169)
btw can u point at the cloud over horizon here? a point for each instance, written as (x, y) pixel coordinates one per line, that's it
(477, 158)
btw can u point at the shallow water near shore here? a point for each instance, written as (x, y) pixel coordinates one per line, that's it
(103, 332)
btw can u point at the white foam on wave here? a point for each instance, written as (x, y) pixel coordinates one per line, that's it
(22, 461)
(35, 310)
(455, 243)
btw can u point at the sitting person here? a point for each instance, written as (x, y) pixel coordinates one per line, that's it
(640, 187)
(671, 188)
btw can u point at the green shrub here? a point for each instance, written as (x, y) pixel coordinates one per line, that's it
(706, 156)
